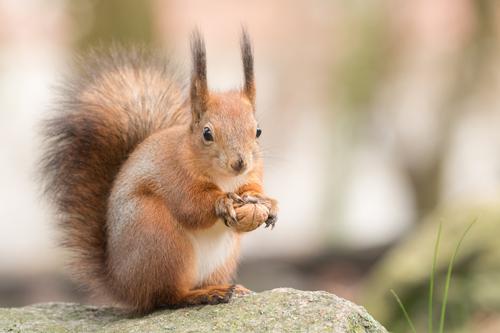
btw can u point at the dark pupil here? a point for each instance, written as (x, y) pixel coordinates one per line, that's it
(207, 134)
(259, 132)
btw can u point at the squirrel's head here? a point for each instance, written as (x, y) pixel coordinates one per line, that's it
(224, 130)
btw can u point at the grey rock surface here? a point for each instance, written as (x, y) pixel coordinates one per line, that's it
(278, 310)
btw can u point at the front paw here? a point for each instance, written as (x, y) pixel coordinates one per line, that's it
(270, 204)
(225, 208)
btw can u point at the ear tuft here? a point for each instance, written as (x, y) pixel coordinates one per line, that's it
(199, 87)
(247, 58)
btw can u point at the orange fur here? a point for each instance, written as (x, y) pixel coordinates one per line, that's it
(143, 195)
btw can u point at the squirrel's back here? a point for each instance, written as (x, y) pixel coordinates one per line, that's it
(117, 98)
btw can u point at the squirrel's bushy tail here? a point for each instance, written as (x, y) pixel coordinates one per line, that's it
(117, 98)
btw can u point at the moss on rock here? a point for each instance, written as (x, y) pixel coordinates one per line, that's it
(278, 310)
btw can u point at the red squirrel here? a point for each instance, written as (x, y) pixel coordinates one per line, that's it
(154, 183)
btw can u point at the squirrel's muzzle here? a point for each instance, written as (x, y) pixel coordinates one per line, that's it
(239, 165)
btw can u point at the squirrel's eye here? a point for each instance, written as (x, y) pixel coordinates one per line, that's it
(207, 134)
(259, 132)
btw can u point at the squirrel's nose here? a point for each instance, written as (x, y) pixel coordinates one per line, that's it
(239, 165)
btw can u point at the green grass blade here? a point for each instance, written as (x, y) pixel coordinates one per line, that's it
(433, 273)
(448, 278)
(410, 323)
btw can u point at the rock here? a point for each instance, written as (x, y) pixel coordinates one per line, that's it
(278, 310)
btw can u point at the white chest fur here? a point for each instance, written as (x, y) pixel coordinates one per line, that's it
(214, 245)
(230, 184)
(212, 248)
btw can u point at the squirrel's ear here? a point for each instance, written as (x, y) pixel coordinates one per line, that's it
(199, 87)
(247, 58)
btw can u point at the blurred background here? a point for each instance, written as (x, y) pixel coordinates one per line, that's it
(380, 119)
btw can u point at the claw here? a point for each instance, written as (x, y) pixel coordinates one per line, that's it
(230, 220)
(250, 199)
(232, 214)
(271, 221)
(236, 198)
